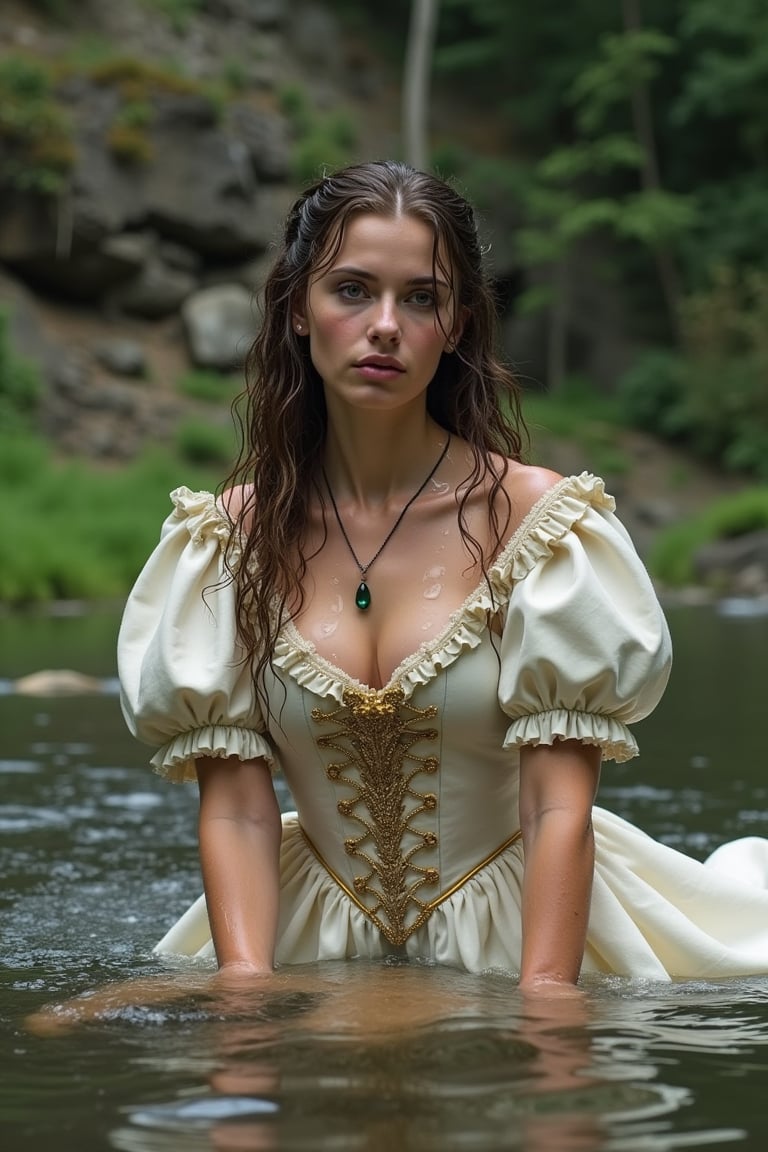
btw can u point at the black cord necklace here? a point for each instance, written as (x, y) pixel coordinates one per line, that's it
(363, 594)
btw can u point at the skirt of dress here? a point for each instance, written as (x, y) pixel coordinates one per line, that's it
(656, 913)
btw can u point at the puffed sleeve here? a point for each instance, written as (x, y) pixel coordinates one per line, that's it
(184, 685)
(585, 649)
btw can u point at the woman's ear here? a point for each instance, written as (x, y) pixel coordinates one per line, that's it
(299, 321)
(458, 328)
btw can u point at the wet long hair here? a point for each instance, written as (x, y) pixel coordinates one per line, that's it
(282, 414)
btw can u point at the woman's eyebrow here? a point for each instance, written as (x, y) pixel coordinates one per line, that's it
(361, 274)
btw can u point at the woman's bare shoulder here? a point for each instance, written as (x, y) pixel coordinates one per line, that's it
(236, 499)
(525, 484)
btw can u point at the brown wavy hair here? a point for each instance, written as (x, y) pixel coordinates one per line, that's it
(282, 415)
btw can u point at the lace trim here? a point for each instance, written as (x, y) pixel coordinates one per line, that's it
(548, 521)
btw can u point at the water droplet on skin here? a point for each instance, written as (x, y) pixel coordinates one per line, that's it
(328, 627)
(335, 580)
(337, 604)
(446, 531)
(427, 627)
(434, 573)
(433, 591)
(440, 486)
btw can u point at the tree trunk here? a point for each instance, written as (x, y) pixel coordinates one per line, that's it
(642, 118)
(416, 74)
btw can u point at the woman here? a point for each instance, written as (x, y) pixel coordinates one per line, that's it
(436, 643)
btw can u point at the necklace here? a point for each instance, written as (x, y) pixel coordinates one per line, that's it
(363, 594)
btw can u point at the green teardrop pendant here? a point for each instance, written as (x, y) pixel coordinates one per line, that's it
(363, 596)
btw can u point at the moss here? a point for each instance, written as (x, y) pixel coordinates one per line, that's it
(129, 145)
(36, 137)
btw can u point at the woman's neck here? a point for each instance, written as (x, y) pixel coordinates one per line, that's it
(377, 460)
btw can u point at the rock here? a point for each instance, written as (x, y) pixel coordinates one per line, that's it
(157, 291)
(219, 323)
(724, 563)
(123, 357)
(657, 513)
(266, 139)
(57, 682)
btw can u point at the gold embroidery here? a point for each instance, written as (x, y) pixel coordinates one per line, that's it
(360, 884)
(377, 732)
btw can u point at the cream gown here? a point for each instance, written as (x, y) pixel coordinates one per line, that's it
(406, 836)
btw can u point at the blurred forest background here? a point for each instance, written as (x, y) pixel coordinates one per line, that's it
(617, 152)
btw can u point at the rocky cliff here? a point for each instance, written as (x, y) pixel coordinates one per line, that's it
(146, 163)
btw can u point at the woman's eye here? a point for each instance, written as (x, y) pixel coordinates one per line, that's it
(351, 290)
(424, 298)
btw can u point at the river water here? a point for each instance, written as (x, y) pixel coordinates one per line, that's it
(97, 856)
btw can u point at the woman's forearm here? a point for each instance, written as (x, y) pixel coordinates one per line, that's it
(558, 784)
(559, 869)
(239, 831)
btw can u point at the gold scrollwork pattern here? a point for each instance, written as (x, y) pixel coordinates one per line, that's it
(376, 733)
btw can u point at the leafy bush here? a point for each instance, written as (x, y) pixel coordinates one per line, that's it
(322, 142)
(210, 387)
(651, 394)
(202, 443)
(75, 531)
(19, 382)
(672, 555)
(712, 395)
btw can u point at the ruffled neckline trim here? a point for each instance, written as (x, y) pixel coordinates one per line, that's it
(547, 522)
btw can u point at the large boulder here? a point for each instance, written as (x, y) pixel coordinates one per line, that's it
(220, 324)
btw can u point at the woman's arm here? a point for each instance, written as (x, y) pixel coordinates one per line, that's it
(239, 831)
(558, 783)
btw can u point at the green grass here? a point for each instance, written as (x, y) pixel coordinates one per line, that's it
(210, 387)
(73, 531)
(671, 558)
(579, 414)
(204, 444)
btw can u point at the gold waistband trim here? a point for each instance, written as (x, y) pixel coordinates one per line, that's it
(398, 937)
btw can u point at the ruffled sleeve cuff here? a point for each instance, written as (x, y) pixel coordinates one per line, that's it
(612, 736)
(176, 760)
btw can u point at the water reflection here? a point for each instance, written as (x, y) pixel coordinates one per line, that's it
(97, 856)
(402, 1055)
(342, 1068)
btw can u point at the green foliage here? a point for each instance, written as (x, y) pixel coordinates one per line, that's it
(178, 13)
(129, 145)
(54, 9)
(322, 142)
(36, 142)
(651, 394)
(137, 80)
(624, 61)
(712, 395)
(210, 387)
(138, 83)
(203, 443)
(672, 555)
(582, 188)
(20, 384)
(71, 530)
(581, 414)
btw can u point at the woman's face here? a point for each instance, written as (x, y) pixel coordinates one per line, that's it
(377, 318)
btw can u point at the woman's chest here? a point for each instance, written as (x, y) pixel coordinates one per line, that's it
(366, 610)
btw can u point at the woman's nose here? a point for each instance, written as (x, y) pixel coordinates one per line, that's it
(385, 322)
